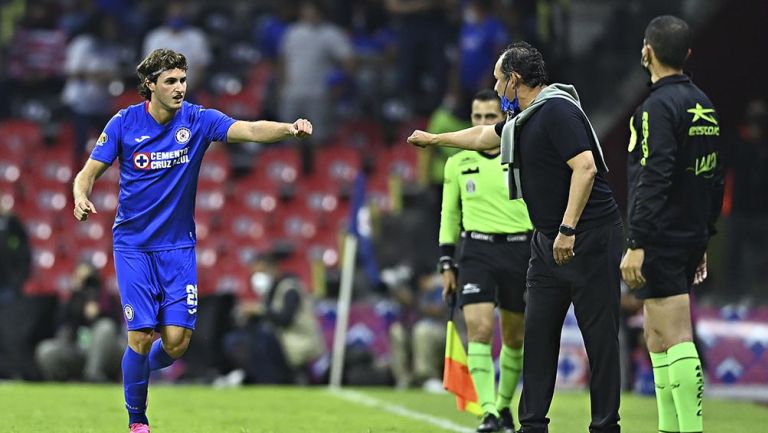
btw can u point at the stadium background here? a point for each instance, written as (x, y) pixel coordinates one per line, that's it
(401, 72)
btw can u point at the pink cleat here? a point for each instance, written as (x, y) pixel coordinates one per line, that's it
(139, 428)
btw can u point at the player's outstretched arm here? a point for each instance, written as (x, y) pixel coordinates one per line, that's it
(265, 131)
(83, 185)
(481, 137)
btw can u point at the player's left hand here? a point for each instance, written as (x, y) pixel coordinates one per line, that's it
(301, 128)
(631, 268)
(701, 271)
(562, 249)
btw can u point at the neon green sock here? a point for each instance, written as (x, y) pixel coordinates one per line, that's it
(482, 371)
(511, 365)
(686, 379)
(664, 402)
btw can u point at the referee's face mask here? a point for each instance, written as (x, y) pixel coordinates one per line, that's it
(645, 57)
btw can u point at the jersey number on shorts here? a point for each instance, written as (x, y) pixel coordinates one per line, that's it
(191, 298)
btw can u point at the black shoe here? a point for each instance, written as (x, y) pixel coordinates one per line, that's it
(490, 424)
(507, 422)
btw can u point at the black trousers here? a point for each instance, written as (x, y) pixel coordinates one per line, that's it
(591, 282)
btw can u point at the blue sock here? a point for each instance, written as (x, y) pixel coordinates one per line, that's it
(135, 382)
(158, 357)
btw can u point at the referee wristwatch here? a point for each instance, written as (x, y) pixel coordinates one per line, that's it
(566, 230)
(634, 244)
(445, 264)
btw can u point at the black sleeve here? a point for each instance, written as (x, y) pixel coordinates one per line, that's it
(659, 150)
(566, 128)
(284, 317)
(447, 250)
(718, 190)
(499, 127)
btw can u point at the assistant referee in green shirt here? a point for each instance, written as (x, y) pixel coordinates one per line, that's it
(492, 263)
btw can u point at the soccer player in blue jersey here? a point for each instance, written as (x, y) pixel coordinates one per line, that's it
(160, 145)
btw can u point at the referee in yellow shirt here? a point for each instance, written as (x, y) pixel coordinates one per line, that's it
(493, 262)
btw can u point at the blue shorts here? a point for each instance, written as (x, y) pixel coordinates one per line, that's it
(158, 288)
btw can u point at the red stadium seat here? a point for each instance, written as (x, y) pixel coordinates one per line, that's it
(110, 178)
(401, 161)
(245, 228)
(255, 196)
(360, 134)
(232, 277)
(10, 170)
(325, 248)
(378, 191)
(340, 163)
(280, 164)
(65, 138)
(298, 263)
(206, 224)
(18, 137)
(320, 198)
(244, 105)
(210, 200)
(53, 165)
(51, 272)
(96, 255)
(125, 99)
(41, 228)
(215, 169)
(258, 77)
(8, 197)
(51, 199)
(208, 253)
(105, 200)
(407, 128)
(295, 222)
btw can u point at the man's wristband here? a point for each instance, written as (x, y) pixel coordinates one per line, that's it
(567, 230)
(634, 244)
(447, 250)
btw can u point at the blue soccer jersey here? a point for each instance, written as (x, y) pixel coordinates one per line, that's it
(159, 167)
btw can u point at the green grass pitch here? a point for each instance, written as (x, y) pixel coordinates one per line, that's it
(73, 408)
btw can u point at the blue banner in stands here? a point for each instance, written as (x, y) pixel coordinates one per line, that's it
(360, 227)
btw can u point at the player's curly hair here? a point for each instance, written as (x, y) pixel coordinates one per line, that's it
(527, 61)
(155, 63)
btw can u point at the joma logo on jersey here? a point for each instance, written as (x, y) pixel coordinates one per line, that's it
(160, 160)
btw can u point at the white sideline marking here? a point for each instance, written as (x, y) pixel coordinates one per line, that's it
(366, 400)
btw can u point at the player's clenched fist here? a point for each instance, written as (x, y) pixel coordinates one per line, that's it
(421, 138)
(83, 208)
(301, 128)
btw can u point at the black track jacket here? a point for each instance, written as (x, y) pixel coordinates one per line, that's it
(675, 170)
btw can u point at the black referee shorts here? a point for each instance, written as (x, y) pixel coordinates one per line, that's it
(669, 271)
(493, 272)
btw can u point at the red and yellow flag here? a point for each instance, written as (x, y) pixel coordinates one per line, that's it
(456, 377)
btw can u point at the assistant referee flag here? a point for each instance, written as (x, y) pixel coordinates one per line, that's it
(456, 377)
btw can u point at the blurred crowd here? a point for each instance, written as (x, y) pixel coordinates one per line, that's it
(332, 60)
(338, 63)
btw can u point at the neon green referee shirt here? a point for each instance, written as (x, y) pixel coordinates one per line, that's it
(476, 197)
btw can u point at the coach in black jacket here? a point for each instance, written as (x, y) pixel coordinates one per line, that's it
(675, 195)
